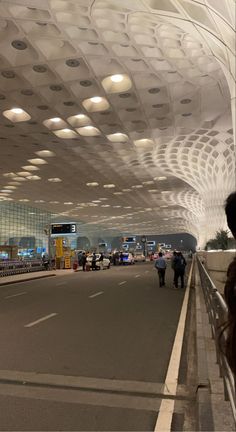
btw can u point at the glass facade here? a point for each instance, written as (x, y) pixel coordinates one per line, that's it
(23, 226)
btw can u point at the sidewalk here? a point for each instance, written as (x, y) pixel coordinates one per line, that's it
(23, 277)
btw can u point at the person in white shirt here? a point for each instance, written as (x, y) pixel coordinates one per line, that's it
(160, 265)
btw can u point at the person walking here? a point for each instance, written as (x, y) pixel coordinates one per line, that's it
(101, 261)
(160, 265)
(83, 261)
(94, 261)
(179, 264)
(172, 265)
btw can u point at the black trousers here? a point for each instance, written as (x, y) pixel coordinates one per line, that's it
(161, 274)
(179, 274)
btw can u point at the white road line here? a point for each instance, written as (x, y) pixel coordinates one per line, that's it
(122, 283)
(16, 295)
(97, 294)
(166, 410)
(60, 283)
(41, 319)
(137, 275)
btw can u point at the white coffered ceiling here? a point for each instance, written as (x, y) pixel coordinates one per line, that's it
(118, 112)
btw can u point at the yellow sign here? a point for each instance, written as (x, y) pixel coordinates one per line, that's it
(59, 247)
(67, 262)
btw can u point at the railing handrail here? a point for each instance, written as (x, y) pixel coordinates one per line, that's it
(214, 312)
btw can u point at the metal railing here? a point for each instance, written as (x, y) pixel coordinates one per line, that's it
(217, 312)
(9, 268)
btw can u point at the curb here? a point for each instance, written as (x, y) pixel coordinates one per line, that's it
(26, 280)
(205, 420)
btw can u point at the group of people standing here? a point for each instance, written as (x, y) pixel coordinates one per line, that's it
(178, 264)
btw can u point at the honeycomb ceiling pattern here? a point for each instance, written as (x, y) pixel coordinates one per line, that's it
(118, 113)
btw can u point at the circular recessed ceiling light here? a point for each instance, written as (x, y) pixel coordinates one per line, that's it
(117, 78)
(68, 203)
(19, 179)
(80, 116)
(96, 99)
(40, 68)
(8, 74)
(85, 83)
(154, 90)
(55, 87)
(24, 200)
(39, 201)
(185, 101)
(17, 110)
(19, 45)
(10, 187)
(27, 92)
(72, 62)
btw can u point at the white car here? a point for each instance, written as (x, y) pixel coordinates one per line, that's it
(100, 265)
(139, 257)
(127, 258)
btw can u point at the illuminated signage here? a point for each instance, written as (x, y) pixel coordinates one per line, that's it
(129, 239)
(151, 242)
(61, 229)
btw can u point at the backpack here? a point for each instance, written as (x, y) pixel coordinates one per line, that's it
(179, 263)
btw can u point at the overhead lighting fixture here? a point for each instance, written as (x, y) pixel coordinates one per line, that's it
(23, 173)
(45, 153)
(30, 168)
(14, 183)
(19, 179)
(80, 116)
(92, 184)
(24, 200)
(109, 186)
(118, 137)
(17, 110)
(160, 178)
(16, 115)
(34, 177)
(10, 187)
(55, 119)
(53, 202)
(54, 180)
(39, 201)
(96, 99)
(117, 78)
(68, 203)
(9, 174)
(6, 191)
(37, 161)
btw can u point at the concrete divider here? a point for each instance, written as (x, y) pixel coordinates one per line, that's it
(216, 263)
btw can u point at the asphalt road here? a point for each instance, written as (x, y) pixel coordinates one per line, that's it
(113, 330)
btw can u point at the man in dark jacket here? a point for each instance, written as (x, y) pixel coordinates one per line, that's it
(83, 261)
(179, 265)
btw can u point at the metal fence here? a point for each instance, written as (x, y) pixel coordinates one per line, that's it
(217, 312)
(9, 268)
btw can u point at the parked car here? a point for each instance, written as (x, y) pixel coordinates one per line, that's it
(105, 264)
(127, 258)
(139, 257)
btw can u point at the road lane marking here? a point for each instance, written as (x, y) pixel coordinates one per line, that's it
(122, 283)
(41, 319)
(146, 271)
(16, 295)
(166, 410)
(60, 283)
(97, 294)
(137, 275)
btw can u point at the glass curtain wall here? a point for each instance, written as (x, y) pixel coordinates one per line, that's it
(23, 226)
